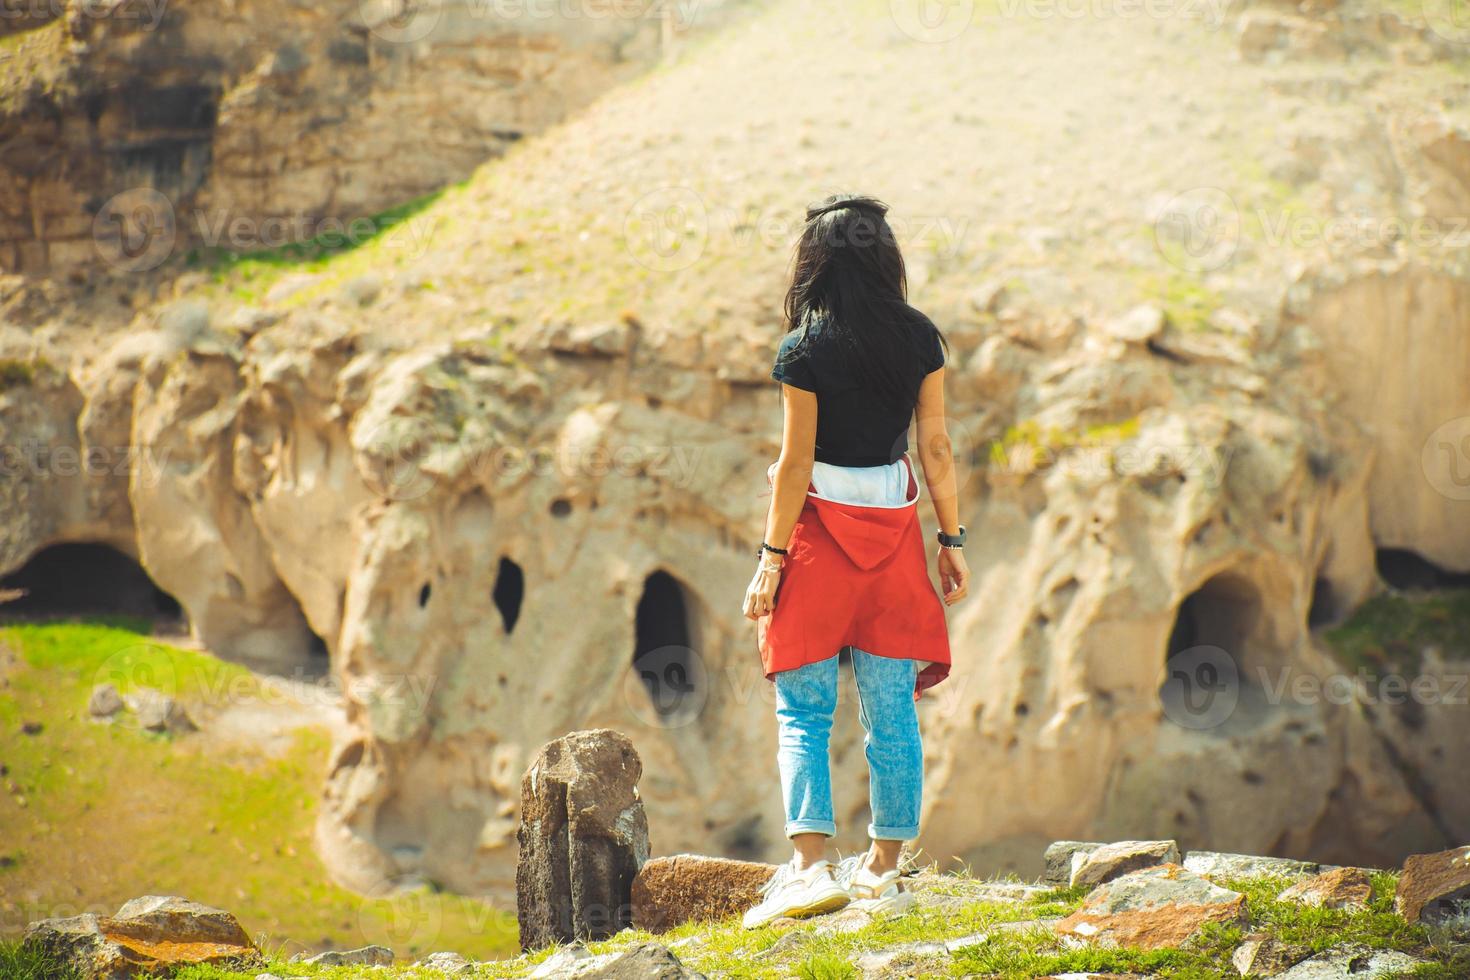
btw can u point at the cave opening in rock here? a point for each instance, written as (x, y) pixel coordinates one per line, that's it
(1407, 570)
(1324, 604)
(510, 589)
(1221, 613)
(663, 653)
(83, 579)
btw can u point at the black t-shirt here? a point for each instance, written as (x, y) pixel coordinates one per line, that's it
(855, 425)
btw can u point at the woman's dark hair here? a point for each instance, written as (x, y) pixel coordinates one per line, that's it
(848, 276)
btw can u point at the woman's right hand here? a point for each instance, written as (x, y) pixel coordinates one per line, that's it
(954, 574)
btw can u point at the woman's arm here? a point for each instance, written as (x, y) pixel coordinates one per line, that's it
(788, 494)
(936, 456)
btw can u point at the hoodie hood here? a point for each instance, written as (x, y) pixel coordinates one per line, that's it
(867, 534)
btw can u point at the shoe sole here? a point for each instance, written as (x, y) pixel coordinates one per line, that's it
(820, 907)
(882, 906)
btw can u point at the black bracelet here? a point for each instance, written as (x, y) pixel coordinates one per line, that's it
(773, 550)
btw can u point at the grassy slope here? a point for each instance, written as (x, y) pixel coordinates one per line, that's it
(727, 950)
(96, 814)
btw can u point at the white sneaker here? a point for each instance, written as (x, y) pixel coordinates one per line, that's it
(797, 894)
(883, 893)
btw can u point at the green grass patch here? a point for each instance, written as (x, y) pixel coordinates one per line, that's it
(1391, 631)
(1028, 446)
(101, 813)
(18, 962)
(1186, 301)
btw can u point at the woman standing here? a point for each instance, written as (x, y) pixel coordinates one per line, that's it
(843, 563)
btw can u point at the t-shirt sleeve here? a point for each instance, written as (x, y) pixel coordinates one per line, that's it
(795, 371)
(935, 354)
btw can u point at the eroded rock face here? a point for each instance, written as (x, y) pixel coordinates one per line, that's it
(250, 127)
(1435, 886)
(149, 934)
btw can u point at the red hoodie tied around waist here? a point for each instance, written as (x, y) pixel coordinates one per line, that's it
(856, 576)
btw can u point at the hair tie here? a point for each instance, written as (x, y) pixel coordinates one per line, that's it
(857, 203)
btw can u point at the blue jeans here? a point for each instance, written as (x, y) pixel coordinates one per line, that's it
(805, 700)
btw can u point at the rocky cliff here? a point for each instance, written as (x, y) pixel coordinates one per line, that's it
(1208, 312)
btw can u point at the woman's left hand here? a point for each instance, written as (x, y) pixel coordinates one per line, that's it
(760, 597)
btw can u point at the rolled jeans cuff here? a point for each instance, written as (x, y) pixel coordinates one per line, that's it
(824, 827)
(876, 832)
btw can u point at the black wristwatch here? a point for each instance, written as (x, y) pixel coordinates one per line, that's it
(953, 540)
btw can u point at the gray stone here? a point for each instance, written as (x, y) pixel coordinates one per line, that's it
(1155, 908)
(1114, 860)
(104, 702)
(582, 837)
(154, 934)
(560, 961)
(363, 956)
(1138, 326)
(447, 962)
(646, 961)
(1216, 864)
(878, 961)
(1058, 859)
(157, 712)
(1357, 962)
(1263, 956)
(363, 290)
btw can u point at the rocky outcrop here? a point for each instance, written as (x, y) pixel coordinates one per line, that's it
(582, 838)
(147, 935)
(136, 132)
(1339, 888)
(1154, 908)
(1435, 887)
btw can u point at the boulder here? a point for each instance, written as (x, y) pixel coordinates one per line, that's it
(1114, 860)
(1058, 860)
(582, 838)
(1432, 886)
(1215, 864)
(1154, 908)
(1138, 326)
(152, 934)
(1263, 956)
(646, 961)
(1340, 888)
(451, 963)
(363, 956)
(669, 891)
(562, 961)
(104, 702)
(1358, 962)
(157, 712)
